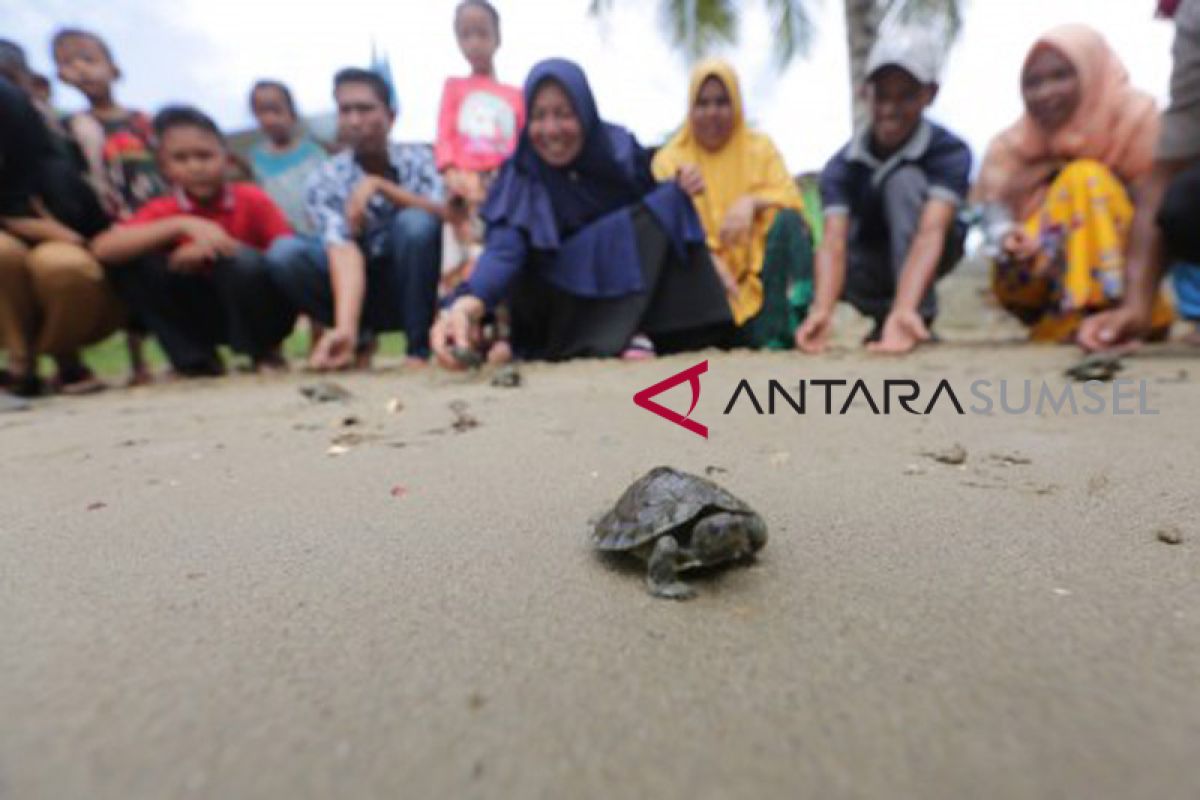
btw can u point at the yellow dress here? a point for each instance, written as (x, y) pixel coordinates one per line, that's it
(1082, 229)
(748, 164)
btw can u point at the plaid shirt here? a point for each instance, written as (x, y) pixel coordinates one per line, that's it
(331, 185)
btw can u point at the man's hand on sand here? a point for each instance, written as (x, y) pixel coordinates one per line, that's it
(335, 351)
(812, 336)
(902, 332)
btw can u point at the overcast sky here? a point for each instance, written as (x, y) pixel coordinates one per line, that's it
(208, 52)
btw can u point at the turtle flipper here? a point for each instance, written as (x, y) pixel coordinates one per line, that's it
(661, 578)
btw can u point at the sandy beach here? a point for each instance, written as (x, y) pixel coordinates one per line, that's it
(200, 598)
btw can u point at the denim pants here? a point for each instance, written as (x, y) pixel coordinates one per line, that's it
(403, 265)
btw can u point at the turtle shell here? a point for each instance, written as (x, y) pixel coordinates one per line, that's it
(662, 500)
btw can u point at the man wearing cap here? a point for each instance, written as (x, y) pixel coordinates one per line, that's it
(891, 197)
(1167, 220)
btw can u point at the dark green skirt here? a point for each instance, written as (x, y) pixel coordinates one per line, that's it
(787, 281)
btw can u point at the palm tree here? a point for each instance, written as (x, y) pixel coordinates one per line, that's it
(696, 26)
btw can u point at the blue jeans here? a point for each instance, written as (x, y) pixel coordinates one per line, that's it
(1186, 278)
(402, 278)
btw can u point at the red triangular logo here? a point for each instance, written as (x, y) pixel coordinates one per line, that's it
(692, 376)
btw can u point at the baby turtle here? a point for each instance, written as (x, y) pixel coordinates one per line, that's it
(508, 376)
(677, 521)
(326, 392)
(467, 357)
(1096, 367)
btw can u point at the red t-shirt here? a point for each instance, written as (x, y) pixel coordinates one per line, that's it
(245, 211)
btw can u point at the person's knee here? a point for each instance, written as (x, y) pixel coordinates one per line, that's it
(248, 260)
(789, 218)
(13, 253)
(415, 226)
(286, 252)
(294, 261)
(58, 265)
(1081, 171)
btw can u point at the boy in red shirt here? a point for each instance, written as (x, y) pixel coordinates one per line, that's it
(191, 263)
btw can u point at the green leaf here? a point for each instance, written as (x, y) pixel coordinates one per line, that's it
(793, 25)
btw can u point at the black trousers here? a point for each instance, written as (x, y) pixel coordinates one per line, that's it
(237, 304)
(1179, 217)
(683, 306)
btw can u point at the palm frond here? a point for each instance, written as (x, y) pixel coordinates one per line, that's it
(946, 14)
(696, 27)
(792, 21)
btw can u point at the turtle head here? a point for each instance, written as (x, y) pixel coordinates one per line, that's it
(756, 531)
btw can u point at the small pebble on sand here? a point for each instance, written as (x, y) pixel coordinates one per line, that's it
(1169, 535)
(954, 455)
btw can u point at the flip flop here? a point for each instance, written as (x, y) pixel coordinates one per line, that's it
(640, 348)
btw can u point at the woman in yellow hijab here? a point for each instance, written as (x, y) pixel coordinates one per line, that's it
(750, 209)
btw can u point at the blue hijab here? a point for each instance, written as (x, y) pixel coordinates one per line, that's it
(579, 214)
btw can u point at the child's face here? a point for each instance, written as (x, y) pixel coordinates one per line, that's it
(274, 115)
(554, 127)
(477, 37)
(194, 160)
(898, 102)
(82, 63)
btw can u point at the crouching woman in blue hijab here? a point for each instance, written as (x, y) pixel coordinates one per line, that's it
(592, 256)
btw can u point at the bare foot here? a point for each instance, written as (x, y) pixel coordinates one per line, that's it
(81, 384)
(74, 377)
(139, 376)
(414, 362)
(271, 364)
(499, 353)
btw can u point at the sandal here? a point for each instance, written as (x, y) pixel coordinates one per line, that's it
(640, 348)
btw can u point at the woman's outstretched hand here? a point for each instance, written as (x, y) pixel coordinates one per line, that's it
(456, 328)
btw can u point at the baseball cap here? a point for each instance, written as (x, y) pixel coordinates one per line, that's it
(911, 52)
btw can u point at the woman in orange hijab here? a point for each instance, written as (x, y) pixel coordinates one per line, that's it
(750, 208)
(1058, 187)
